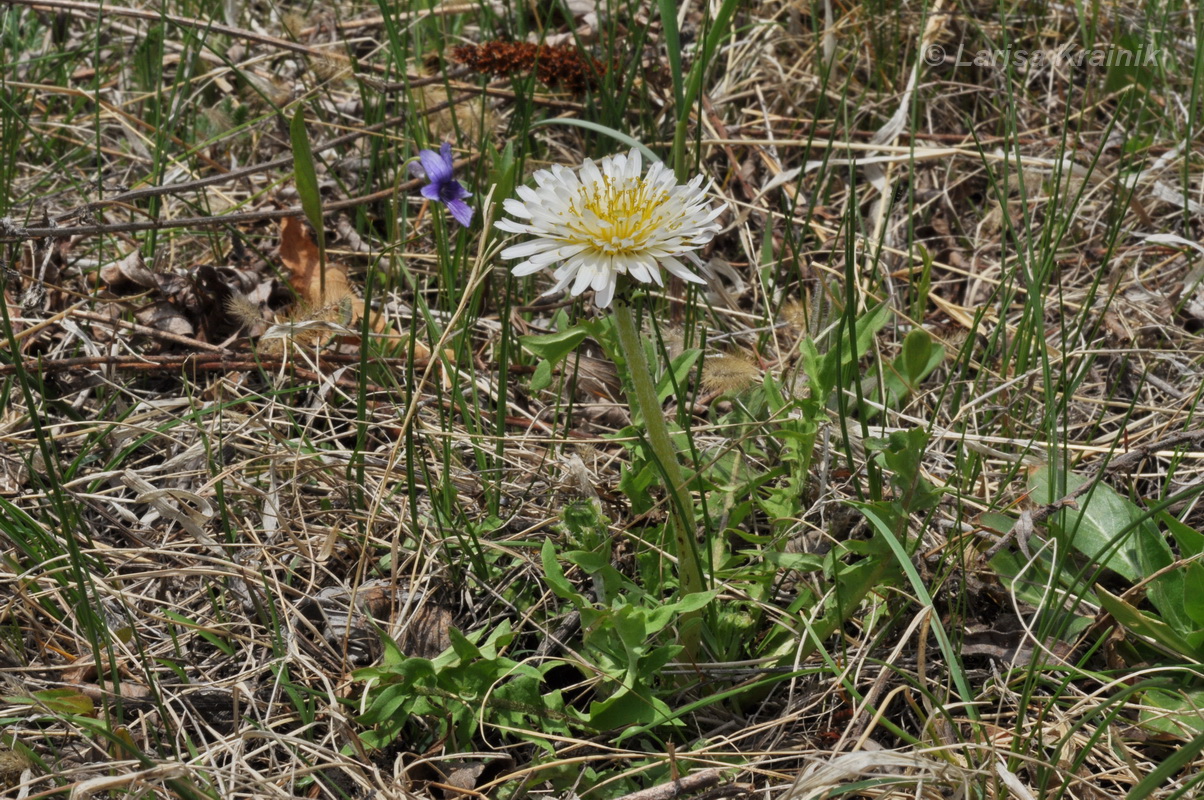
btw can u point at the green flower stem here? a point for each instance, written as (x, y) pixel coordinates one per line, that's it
(693, 88)
(646, 400)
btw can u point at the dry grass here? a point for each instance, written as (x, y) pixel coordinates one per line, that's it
(216, 505)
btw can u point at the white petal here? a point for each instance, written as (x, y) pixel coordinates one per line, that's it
(716, 211)
(679, 269)
(565, 178)
(654, 173)
(612, 166)
(528, 194)
(525, 268)
(590, 173)
(514, 227)
(601, 277)
(558, 254)
(650, 269)
(560, 284)
(530, 248)
(655, 269)
(567, 270)
(604, 295)
(633, 164)
(515, 208)
(638, 270)
(546, 259)
(585, 277)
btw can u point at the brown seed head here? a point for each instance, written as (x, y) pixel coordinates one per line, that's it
(729, 373)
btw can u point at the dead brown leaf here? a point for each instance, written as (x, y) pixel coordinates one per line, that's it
(300, 254)
(164, 316)
(129, 275)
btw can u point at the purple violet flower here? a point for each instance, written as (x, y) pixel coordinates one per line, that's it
(443, 187)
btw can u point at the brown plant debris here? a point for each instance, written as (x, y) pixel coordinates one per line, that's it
(561, 66)
(300, 254)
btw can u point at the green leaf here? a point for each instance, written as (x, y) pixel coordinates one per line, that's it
(587, 525)
(824, 371)
(63, 701)
(1128, 63)
(1030, 580)
(148, 59)
(1190, 541)
(1102, 527)
(662, 615)
(551, 348)
(500, 637)
(554, 575)
(1168, 591)
(634, 482)
(654, 662)
(466, 650)
(865, 328)
(904, 455)
(1181, 714)
(1193, 592)
(542, 377)
(919, 357)
(1142, 624)
(802, 562)
(771, 390)
(524, 699)
(554, 346)
(590, 561)
(627, 707)
(694, 601)
(306, 174)
(386, 704)
(502, 172)
(679, 370)
(633, 629)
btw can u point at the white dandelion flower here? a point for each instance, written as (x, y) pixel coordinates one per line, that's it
(607, 220)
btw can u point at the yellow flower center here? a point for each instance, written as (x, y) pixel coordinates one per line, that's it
(627, 213)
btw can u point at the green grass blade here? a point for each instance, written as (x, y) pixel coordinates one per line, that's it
(618, 136)
(1167, 769)
(668, 10)
(306, 176)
